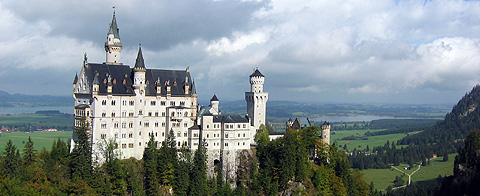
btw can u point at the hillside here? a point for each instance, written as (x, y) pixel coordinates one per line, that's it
(464, 117)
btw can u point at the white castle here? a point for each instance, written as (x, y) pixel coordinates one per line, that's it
(127, 105)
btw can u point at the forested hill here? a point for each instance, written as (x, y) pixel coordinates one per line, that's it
(10, 100)
(464, 117)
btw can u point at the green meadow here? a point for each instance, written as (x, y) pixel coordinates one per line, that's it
(382, 178)
(40, 139)
(377, 140)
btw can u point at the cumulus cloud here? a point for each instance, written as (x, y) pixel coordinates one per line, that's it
(349, 50)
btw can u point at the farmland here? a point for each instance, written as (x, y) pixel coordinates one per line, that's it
(40, 139)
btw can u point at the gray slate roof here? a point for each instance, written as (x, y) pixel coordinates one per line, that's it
(121, 74)
(256, 73)
(114, 28)
(230, 119)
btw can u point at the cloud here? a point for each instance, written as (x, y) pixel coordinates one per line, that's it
(348, 50)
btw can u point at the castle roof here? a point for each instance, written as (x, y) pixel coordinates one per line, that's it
(122, 77)
(75, 79)
(256, 73)
(140, 63)
(214, 98)
(114, 28)
(230, 119)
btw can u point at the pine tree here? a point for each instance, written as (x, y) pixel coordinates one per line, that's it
(11, 159)
(80, 160)
(151, 184)
(198, 177)
(29, 152)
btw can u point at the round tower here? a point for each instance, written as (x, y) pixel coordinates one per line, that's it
(113, 45)
(256, 100)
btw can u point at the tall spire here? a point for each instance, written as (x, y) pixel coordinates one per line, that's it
(140, 62)
(113, 45)
(113, 26)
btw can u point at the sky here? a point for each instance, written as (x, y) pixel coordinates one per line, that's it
(318, 51)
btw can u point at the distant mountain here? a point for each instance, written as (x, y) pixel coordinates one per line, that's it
(11, 100)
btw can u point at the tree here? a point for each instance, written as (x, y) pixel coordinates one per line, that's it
(150, 166)
(198, 177)
(80, 160)
(261, 137)
(12, 159)
(398, 181)
(445, 156)
(29, 152)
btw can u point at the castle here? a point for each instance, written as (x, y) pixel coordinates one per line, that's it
(127, 105)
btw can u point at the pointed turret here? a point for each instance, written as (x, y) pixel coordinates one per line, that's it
(113, 27)
(194, 90)
(140, 63)
(113, 45)
(75, 79)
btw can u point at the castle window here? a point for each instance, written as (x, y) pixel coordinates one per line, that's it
(244, 143)
(182, 103)
(124, 113)
(140, 133)
(116, 135)
(131, 102)
(208, 135)
(140, 112)
(162, 103)
(130, 125)
(163, 134)
(103, 136)
(179, 143)
(156, 113)
(173, 114)
(172, 103)
(208, 126)
(239, 135)
(104, 125)
(113, 114)
(130, 114)
(238, 125)
(185, 124)
(124, 81)
(186, 114)
(185, 143)
(113, 102)
(124, 135)
(153, 103)
(178, 134)
(195, 135)
(156, 124)
(149, 113)
(163, 113)
(163, 124)
(130, 145)
(124, 145)
(226, 135)
(130, 135)
(115, 125)
(104, 114)
(139, 143)
(244, 135)
(147, 124)
(104, 102)
(185, 134)
(226, 144)
(244, 126)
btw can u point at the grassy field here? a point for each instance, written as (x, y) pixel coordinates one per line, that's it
(378, 140)
(382, 178)
(40, 139)
(60, 121)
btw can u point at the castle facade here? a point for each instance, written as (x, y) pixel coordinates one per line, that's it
(127, 105)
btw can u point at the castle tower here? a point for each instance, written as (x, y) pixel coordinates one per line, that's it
(139, 73)
(214, 102)
(326, 132)
(113, 45)
(256, 100)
